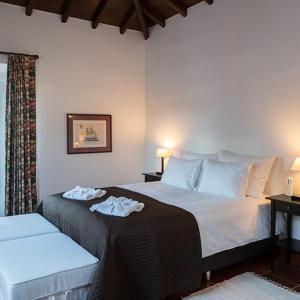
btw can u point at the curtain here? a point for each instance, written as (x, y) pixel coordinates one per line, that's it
(20, 186)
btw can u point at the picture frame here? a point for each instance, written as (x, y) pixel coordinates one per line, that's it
(89, 133)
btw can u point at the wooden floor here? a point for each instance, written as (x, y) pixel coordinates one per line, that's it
(285, 274)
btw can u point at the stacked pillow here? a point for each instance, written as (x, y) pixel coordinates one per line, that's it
(191, 155)
(233, 176)
(182, 173)
(260, 172)
(225, 179)
(184, 169)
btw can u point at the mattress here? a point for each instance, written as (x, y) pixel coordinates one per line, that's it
(51, 264)
(224, 223)
(22, 226)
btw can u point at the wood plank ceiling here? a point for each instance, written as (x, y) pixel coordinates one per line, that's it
(126, 14)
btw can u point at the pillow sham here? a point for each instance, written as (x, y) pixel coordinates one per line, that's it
(260, 172)
(182, 173)
(192, 155)
(224, 179)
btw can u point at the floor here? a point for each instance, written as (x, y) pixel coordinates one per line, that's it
(285, 274)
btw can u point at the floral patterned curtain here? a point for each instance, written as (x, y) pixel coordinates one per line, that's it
(20, 189)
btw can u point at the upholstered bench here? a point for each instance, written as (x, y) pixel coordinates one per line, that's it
(50, 266)
(21, 226)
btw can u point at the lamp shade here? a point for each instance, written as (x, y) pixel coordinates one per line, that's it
(162, 152)
(296, 165)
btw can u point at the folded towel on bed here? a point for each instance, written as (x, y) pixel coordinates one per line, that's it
(118, 206)
(81, 193)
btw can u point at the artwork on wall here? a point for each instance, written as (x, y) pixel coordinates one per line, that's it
(89, 133)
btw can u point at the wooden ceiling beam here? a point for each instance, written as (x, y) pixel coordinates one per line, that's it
(127, 19)
(98, 12)
(178, 7)
(141, 18)
(66, 10)
(115, 11)
(154, 17)
(29, 7)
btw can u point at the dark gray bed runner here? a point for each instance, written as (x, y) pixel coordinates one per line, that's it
(147, 256)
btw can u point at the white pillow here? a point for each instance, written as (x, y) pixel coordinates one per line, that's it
(182, 173)
(224, 179)
(192, 155)
(260, 172)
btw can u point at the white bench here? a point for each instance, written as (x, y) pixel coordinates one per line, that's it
(50, 266)
(22, 226)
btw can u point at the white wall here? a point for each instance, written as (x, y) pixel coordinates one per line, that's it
(227, 76)
(82, 70)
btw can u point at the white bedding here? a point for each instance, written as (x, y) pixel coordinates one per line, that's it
(224, 223)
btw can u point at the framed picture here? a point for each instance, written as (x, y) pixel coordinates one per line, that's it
(89, 133)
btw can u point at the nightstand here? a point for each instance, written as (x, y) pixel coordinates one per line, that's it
(291, 207)
(149, 177)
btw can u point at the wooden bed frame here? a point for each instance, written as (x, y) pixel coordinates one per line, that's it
(236, 255)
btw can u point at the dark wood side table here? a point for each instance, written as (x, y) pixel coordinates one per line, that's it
(149, 177)
(291, 207)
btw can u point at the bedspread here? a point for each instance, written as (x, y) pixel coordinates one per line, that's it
(148, 255)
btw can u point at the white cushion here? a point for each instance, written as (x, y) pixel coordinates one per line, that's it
(43, 265)
(182, 173)
(260, 172)
(224, 179)
(21, 226)
(192, 155)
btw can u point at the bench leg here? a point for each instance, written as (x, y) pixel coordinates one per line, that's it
(208, 275)
(66, 295)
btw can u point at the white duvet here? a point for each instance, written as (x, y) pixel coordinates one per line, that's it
(224, 223)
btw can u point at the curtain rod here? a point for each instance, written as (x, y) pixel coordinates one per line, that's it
(7, 53)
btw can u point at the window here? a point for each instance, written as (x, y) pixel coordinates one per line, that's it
(3, 74)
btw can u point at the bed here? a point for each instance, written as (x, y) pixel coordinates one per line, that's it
(224, 223)
(231, 230)
(165, 249)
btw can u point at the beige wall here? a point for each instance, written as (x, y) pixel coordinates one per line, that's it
(227, 76)
(82, 70)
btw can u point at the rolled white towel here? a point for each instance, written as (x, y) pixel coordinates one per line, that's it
(119, 207)
(81, 193)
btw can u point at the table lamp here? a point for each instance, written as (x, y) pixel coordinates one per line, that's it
(162, 153)
(295, 167)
